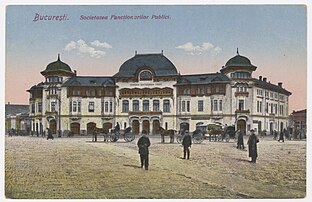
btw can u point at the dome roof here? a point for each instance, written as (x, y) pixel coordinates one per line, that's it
(238, 61)
(161, 65)
(57, 66)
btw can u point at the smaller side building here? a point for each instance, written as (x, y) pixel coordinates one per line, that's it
(17, 118)
(299, 119)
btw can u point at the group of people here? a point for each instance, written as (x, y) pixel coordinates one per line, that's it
(144, 143)
(252, 144)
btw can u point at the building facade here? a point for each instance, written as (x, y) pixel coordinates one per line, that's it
(148, 93)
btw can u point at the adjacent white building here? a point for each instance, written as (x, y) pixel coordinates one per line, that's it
(148, 92)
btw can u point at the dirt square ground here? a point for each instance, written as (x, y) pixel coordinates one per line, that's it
(77, 168)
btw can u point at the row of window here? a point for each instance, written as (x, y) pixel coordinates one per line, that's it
(145, 105)
(185, 105)
(273, 108)
(241, 75)
(54, 79)
(205, 90)
(270, 95)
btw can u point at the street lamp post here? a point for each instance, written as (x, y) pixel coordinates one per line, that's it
(59, 118)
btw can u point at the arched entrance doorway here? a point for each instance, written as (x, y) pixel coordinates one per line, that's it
(156, 126)
(75, 128)
(136, 127)
(107, 126)
(146, 126)
(53, 126)
(184, 126)
(90, 127)
(241, 125)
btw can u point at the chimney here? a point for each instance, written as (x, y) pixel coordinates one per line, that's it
(280, 84)
(260, 78)
(135, 52)
(75, 72)
(162, 52)
(264, 79)
(8, 103)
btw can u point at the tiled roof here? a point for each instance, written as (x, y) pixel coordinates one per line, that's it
(13, 109)
(203, 79)
(89, 81)
(160, 64)
(270, 86)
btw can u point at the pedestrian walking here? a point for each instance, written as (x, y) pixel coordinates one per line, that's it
(240, 140)
(281, 136)
(275, 135)
(50, 136)
(252, 146)
(186, 142)
(143, 144)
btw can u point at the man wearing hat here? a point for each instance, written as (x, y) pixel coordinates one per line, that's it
(252, 146)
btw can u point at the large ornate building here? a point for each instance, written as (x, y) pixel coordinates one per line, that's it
(148, 92)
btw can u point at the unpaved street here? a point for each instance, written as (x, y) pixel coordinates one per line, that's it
(76, 168)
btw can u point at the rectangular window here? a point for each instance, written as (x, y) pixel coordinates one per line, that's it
(135, 106)
(53, 106)
(200, 105)
(79, 106)
(275, 106)
(267, 108)
(241, 105)
(188, 106)
(91, 107)
(33, 108)
(215, 105)
(102, 105)
(220, 105)
(183, 106)
(271, 108)
(145, 105)
(155, 105)
(125, 106)
(106, 106)
(74, 106)
(70, 106)
(110, 106)
(166, 105)
(39, 107)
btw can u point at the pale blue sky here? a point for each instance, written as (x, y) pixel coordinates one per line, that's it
(195, 38)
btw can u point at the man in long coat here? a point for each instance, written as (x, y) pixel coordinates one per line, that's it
(143, 144)
(252, 146)
(187, 142)
(240, 140)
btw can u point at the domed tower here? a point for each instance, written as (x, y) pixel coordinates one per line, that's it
(57, 71)
(238, 67)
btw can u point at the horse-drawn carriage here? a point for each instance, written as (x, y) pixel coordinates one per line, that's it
(197, 136)
(113, 135)
(215, 132)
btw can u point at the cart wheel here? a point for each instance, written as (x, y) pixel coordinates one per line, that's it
(129, 137)
(179, 139)
(113, 138)
(198, 139)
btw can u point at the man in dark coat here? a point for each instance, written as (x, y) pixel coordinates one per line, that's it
(281, 136)
(252, 146)
(240, 140)
(143, 144)
(50, 136)
(187, 142)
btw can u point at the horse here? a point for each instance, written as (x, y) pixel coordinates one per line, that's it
(97, 131)
(164, 132)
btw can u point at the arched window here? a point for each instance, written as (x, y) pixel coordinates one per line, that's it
(145, 75)
(125, 106)
(135, 105)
